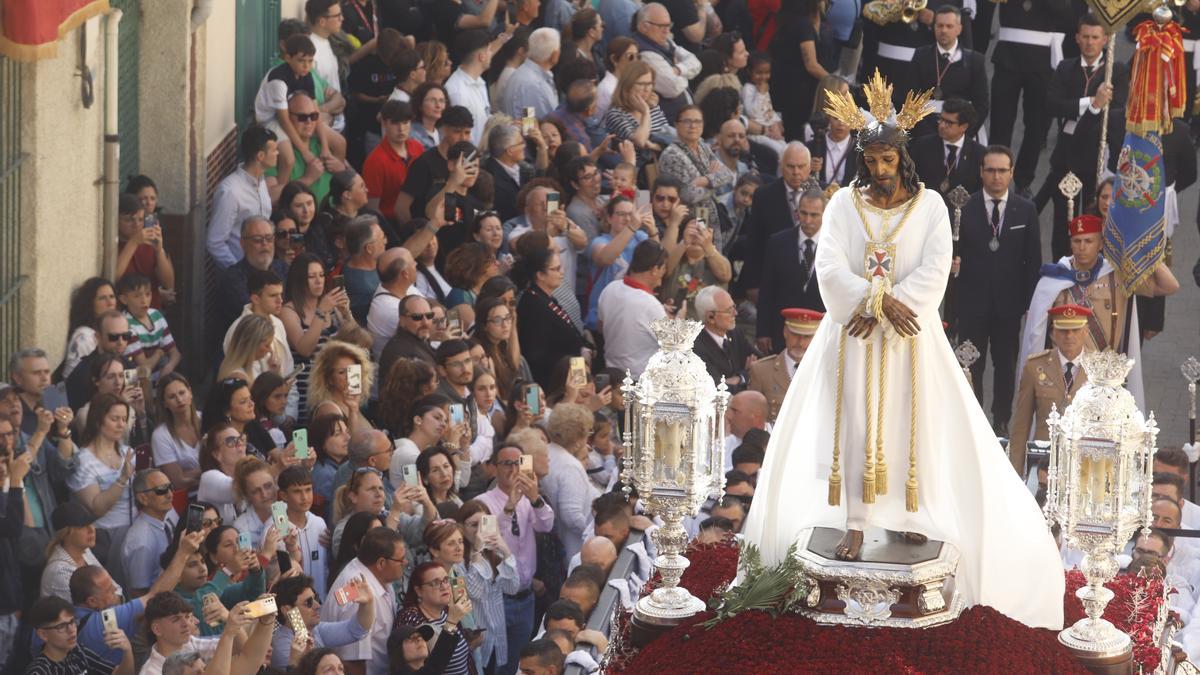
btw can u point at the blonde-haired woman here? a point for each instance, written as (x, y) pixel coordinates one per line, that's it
(251, 350)
(566, 486)
(329, 387)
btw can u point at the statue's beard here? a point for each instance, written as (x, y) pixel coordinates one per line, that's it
(885, 185)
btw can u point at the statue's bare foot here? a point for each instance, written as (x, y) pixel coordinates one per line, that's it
(850, 546)
(915, 538)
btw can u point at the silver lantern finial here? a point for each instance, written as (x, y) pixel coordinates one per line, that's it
(1101, 463)
(674, 456)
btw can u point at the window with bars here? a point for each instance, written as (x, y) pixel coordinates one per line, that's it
(11, 159)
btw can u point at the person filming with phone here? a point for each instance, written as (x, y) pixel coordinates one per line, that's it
(521, 513)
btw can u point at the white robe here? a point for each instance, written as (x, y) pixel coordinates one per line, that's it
(969, 495)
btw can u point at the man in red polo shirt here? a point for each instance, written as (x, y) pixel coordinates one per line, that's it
(386, 167)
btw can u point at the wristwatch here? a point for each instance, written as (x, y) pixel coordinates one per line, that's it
(541, 501)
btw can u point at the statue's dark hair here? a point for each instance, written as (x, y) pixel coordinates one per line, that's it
(908, 169)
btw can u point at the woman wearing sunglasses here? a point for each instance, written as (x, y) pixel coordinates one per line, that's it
(231, 401)
(224, 445)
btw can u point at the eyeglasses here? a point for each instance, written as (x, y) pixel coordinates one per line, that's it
(333, 16)
(402, 561)
(591, 175)
(73, 623)
(291, 235)
(124, 337)
(692, 122)
(369, 469)
(235, 382)
(234, 441)
(943, 120)
(437, 583)
(665, 26)
(211, 522)
(500, 320)
(310, 602)
(509, 462)
(161, 490)
(306, 117)
(427, 316)
(260, 239)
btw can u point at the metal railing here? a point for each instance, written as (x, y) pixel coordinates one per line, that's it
(601, 617)
(11, 159)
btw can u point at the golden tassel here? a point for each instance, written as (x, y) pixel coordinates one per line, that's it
(881, 477)
(868, 481)
(910, 487)
(835, 476)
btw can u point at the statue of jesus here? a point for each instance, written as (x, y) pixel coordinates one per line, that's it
(879, 427)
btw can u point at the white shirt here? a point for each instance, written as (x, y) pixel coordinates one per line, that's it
(835, 158)
(383, 318)
(315, 558)
(790, 363)
(989, 204)
(625, 314)
(206, 646)
(471, 93)
(326, 65)
(171, 450)
(954, 53)
(732, 442)
(279, 346)
(373, 648)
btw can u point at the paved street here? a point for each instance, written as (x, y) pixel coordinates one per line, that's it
(1166, 390)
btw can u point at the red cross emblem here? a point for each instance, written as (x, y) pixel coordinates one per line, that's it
(879, 263)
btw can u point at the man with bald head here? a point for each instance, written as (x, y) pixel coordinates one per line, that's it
(397, 271)
(733, 148)
(673, 65)
(599, 551)
(747, 410)
(233, 294)
(292, 166)
(776, 208)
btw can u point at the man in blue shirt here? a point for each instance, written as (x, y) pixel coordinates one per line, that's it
(93, 591)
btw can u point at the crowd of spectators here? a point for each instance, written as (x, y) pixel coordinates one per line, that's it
(449, 233)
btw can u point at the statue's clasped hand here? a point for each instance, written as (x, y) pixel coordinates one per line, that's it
(903, 319)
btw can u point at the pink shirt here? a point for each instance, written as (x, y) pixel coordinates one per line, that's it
(529, 520)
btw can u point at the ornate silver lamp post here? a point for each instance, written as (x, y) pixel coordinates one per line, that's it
(675, 457)
(1101, 463)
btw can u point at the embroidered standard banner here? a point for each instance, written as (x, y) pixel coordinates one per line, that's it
(30, 29)
(1133, 230)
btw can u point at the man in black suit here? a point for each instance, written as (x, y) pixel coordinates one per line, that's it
(951, 70)
(721, 345)
(773, 210)
(507, 149)
(1077, 96)
(789, 278)
(890, 47)
(949, 158)
(1023, 61)
(999, 258)
(834, 152)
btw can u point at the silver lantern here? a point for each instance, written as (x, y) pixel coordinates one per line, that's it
(674, 455)
(1101, 463)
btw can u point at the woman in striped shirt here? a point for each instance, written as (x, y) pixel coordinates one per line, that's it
(635, 114)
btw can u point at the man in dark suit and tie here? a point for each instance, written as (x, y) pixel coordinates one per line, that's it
(1077, 96)
(723, 348)
(788, 276)
(773, 210)
(999, 258)
(506, 148)
(951, 70)
(949, 158)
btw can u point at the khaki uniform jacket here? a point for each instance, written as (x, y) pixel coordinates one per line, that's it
(1042, 385)
(770, 377)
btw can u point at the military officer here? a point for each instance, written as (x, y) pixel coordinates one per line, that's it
(772, 375)
(1049, 378)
